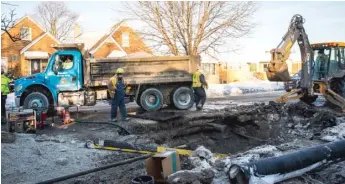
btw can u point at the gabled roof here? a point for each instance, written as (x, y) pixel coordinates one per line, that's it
(23, 18)
(109, 36)
(99, 42)
(37, 40)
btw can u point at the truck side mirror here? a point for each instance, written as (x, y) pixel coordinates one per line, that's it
(57, 64)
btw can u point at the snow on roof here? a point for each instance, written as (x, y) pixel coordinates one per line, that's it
(138, 55)
(36, 55)
(116, 53)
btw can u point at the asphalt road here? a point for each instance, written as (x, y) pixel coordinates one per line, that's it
(211, 102)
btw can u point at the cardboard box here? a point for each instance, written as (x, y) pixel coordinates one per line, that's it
(160, 166)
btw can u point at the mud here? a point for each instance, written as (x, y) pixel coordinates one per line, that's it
(234, 130)
(245, 127)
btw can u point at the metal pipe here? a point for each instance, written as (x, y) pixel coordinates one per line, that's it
(62, 178)
(276, 169)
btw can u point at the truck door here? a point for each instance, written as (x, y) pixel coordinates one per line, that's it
(65, 78)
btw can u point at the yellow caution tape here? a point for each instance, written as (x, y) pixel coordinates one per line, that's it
(159, 150)
(123, 150)
(186, 152)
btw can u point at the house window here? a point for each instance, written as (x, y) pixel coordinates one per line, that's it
(25, 33)
(252, 67)
(209, 68)
(125, 39)
(14, 58)
(213, 69)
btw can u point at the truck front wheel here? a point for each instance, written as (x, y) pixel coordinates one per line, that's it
(36, 100)
(151, 99)
(183, 98)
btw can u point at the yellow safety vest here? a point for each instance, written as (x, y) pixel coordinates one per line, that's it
(196, 80)
(5, 90)
(112, 85)
(67, 65)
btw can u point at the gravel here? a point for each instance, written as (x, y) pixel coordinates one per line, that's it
(46, 158)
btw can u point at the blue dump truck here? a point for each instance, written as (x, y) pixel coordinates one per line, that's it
(152, 81)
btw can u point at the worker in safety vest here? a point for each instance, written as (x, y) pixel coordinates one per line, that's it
(67, 64)
(116, 88)
(5, 90)
(199, 85)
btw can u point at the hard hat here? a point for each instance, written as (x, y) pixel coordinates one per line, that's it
(120, 71)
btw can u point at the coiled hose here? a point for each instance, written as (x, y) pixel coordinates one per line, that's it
(122, 130)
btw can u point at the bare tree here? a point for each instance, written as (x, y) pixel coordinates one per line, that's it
(8, 21)
(56, 18)
(192, 27)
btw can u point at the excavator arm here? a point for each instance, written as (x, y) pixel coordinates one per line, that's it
(277, 69)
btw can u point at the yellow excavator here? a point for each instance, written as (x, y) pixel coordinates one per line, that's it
(323, 67)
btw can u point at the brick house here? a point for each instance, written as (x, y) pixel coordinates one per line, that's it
(121, 41)
(259, 68)
(30, 54)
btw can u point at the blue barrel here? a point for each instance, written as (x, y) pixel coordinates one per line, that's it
(143, 180)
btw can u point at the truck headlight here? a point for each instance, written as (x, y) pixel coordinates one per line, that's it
(18, 88)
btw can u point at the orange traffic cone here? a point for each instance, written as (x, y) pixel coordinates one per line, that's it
(66, 117)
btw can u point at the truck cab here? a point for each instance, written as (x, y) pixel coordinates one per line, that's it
(41, 90)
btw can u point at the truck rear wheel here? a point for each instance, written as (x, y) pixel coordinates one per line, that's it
(151, 99)
(183, 98)
(36, 100)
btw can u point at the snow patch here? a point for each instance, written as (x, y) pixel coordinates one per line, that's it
(10, 101)
(240, 88)
(334, 133)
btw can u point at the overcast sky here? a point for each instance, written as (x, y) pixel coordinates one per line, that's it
(325, 21)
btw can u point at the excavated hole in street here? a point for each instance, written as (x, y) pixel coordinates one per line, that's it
(238, 129)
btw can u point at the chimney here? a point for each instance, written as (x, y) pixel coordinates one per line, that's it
(76, 31)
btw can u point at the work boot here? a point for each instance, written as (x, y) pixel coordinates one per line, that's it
(199, 108)
(126, 119)
(113, 120)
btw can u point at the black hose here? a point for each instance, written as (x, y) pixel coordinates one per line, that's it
(128, 161)
(123, 130)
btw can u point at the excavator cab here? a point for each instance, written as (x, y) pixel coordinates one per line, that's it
(329, 60)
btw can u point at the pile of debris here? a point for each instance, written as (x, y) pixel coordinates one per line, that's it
(203, 167)
(240, 128)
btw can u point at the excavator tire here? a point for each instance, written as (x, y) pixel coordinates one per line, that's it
(340, 87)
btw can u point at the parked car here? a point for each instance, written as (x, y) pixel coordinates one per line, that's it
(289, 85)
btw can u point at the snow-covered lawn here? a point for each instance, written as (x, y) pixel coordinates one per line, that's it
(240, 88)
(10, 102)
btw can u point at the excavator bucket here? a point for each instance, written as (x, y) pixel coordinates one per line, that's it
(277, 71)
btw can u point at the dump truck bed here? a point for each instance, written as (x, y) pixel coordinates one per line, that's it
(148, 70)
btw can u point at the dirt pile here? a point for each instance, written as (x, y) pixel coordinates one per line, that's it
(239, 128)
